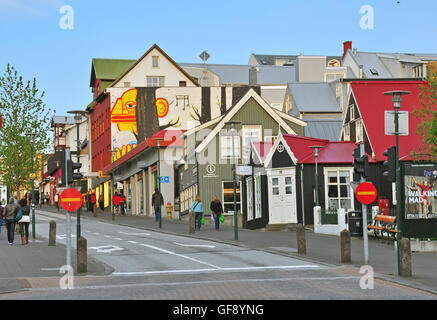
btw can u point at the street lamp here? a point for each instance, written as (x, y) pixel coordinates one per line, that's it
(31, 137)
(78, 118)
(113, 153)
(158, 144)
(234, 133)
(316, 174)
(397, 98)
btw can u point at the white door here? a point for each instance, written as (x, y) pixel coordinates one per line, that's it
(282, 196)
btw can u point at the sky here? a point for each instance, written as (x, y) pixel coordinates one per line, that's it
(36, 43)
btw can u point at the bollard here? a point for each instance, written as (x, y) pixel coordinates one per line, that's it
(301, 241)
(191, 221)
(405, 269)
(82, 256)
(345, 238)
(52, 233)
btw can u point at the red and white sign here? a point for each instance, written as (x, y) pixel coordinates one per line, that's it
(70, 199)
(366, 193)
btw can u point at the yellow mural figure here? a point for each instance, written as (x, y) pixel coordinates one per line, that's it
(123, 112)
(124, 149)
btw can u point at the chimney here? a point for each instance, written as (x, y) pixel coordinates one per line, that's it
(347, 45)
(361, 72)
(253, 76)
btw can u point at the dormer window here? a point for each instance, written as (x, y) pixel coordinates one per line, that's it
(155, 63)
(374, 72)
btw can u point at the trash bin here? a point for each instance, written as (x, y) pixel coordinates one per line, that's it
(355, 222)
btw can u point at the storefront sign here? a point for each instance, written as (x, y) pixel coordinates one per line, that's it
(210, 171)
(165, 179)
(244, 170)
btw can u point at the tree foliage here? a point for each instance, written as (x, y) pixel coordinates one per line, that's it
(427, 112)
(23, 111)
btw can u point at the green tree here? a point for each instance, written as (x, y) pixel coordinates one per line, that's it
(427, 111)
(23, 111)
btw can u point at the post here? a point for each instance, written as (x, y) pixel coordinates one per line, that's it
(33, 191)
(364, 216)
(191, 222)
(345, 246)
(158, 143)
(68, 238)
(82, 259)
(111, 201)
(301, 241)
(78, 161)
(52, 233)
(405, 258)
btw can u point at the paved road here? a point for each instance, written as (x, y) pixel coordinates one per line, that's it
(154, 265)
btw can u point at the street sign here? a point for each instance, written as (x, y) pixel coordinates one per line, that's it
(165, 179)
(366, 193)
(389, 123)
(70, 199)
(244, 170)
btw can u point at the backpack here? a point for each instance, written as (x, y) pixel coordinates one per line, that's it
(93, 198)
(19, 215)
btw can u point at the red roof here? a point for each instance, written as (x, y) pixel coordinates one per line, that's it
(171, 138)
(371, 102)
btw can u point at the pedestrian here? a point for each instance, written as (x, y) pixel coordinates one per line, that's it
(197, 207)
(116, 202)
(1, 218)
(101, 201)
(9, 214)
(157, 202)
(93, 200)
(122, 203)
(47, 198)
(88, 200)
(216, 211)
(24, 221)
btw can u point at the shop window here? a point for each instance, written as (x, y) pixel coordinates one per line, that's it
(338, 191)
(228, 196)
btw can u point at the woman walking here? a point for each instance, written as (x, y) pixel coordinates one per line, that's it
(197, 207)
(1, 218)
(10, 213)
(216, 211)
(101, 201)
(24, 221)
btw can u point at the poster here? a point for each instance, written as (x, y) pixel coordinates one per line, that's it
(421, 191)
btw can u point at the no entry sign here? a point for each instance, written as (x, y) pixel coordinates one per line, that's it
(70, 199)
(366, 193)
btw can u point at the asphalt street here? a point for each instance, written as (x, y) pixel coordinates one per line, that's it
(145, 264)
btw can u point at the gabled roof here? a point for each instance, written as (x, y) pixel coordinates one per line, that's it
(268, 158)
(108, 69)
(317, 97)
(323, 128)
(232, 111)
(371, 102)
(155, 46)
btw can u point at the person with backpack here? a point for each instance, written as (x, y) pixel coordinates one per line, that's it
(197, 207)
(24, 221)
(216, 210)
(101, 201)
(10, 214)
(116, 203)
(122, 204)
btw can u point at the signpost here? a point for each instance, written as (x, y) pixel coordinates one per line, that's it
(366, 193)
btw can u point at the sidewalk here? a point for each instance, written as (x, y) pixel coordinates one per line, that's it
(320, 248)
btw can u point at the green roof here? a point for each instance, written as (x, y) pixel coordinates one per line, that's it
(109, 69)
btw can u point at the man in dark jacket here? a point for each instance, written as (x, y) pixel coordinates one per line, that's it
(9, 214)
(157, 202)
(1, 219)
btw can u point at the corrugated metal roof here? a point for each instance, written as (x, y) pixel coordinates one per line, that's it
(110, 69)
(323, 128)
(371, 61)
(239, 74)
(313, 97)
(63, 120)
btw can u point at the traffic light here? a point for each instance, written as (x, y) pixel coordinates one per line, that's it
(71, 175)
(390, 164)
(361, 165)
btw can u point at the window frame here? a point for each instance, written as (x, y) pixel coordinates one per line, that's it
(239, 194)
(338, 183)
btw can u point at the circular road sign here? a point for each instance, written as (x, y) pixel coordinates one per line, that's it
(366, 193)
(70, 199)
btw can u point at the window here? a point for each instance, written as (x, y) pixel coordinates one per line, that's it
(338, 192)
(187, 197)
(352, 112)
(182, 83)
(155, 81)
(155, 62)
(417, 71)
(346, 133)
(359, 131)
(226, 147)
(126, 84)
(250, 133)
(374, 72)
(228, 196)
(258, 199)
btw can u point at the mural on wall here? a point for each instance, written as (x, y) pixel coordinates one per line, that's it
(139, 113)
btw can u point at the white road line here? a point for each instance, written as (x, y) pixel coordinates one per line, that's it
(134, 233)
(118, 239)
(194, 245)
(50, 269)
(179, 255)
(245, 269)
(134, 242)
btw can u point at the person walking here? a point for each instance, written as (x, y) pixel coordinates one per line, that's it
(10, 213)
(93, 201)
(101, 201)
(122, 204)
(1, 218)
(216, 210)
(24, 221)
(116, 203)
(197, 207)
(157, 202)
